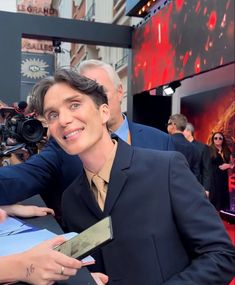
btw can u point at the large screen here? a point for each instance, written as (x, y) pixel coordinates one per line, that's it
(183, 39)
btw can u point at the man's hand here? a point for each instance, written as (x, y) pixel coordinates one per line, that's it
(43, 265)
(100, 278)
(27, 211)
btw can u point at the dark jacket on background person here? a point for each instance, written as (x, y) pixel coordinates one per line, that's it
(152, 198)
(219, 194)
(205, 164)
(190, 152)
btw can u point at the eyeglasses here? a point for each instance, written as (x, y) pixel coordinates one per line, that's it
(168, 124)
(218, 138)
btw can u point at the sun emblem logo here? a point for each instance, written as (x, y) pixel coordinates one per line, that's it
(34, 68)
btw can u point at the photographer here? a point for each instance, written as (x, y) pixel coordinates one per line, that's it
(31, 177)
(22, 134)
(16, 157)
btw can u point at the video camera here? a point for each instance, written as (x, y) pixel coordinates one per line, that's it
(19, 130)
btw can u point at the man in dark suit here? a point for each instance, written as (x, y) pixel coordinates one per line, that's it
(204, 157)
(175, 127)
(52, 170)
(152, 196)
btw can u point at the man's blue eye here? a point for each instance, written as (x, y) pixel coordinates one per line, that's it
(75, 105)
(52, 116)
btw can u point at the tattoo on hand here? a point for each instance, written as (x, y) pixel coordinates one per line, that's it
(30, 270)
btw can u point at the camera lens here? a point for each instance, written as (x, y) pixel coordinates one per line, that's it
(32, 130)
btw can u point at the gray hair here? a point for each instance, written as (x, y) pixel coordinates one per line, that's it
(179, 120)
(77, 82)
(93, 63)
(190, 127)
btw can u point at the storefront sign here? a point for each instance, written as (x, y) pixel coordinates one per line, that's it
(37, 46)
(37, 10)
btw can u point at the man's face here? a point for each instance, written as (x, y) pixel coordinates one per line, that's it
(170, 127)
(114, 95)
(187, 134)
(73, 119)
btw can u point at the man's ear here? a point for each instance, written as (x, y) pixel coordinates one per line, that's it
(105, 113)
(120, 93)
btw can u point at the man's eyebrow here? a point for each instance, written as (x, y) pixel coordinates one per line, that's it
(67, 100)
(47, 110)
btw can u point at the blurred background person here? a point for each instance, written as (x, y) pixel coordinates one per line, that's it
(220, 159)
(20, 126)
(19, 156)
(31, 110)
(204, 157)
(175, 127)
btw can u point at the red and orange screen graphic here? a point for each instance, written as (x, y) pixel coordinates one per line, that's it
(183, 39)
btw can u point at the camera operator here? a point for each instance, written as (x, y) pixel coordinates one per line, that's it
(21, 133)
(13, 158)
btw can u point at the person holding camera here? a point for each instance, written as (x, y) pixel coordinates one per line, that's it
(20, 133)
(19, 156)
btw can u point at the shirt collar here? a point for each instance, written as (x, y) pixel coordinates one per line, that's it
(105, 171)
(123, 130)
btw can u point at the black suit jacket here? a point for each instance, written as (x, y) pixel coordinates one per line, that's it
(53, 170)
(204, 165)
(165, 230)
(190, 152)
(149, 137)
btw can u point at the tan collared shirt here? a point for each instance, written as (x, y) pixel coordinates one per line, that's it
(104, 175)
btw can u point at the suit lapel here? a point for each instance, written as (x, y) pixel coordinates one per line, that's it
(118, 176)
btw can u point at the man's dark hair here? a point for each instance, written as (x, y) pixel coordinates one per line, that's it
(77, 82)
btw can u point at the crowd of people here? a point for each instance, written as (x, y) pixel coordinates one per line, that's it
(152, 184)
(209, 163)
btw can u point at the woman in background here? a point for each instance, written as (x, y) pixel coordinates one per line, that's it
(220, 160)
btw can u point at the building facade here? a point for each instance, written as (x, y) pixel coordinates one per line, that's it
(40, 58)
(105, 11)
